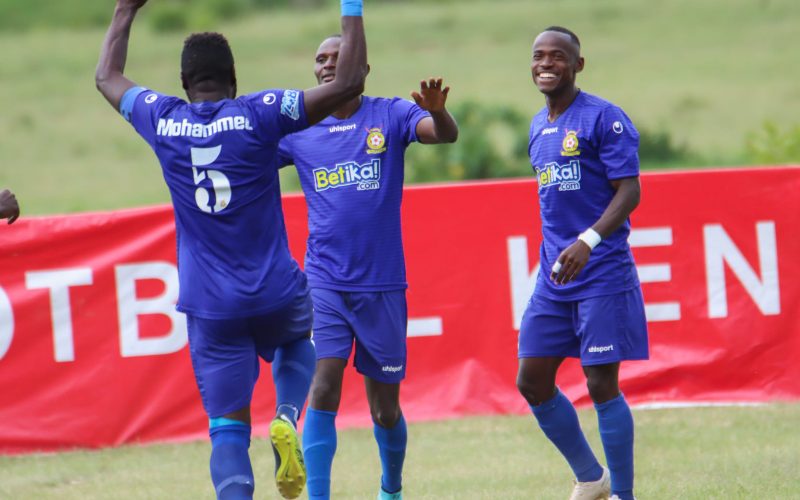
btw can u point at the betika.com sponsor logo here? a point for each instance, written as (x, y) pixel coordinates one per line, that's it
(365, 177)
(566, 177)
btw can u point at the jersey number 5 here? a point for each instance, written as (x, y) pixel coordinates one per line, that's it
(203, 157)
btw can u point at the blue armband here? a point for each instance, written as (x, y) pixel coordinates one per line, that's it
(128, 99)
(352, 8)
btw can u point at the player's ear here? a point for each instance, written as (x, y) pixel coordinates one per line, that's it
(233, 81)
(368, 68)
(184, 82)
(579, 65)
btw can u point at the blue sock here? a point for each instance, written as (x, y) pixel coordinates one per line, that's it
(392, 449)
(292, 370)
(616, 432)
(559, 421)
(231, 471)
(319, 446)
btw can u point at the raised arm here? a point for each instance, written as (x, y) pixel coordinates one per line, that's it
(441, 126)
(351, 69)
(9, 208)
(109, 76)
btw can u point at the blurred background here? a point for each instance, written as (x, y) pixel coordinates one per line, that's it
(707, 82)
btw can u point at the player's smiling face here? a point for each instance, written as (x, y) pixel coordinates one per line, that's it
(325, 60)
(555, 63)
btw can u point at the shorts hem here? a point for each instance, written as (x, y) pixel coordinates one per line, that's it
(383, 380)
(546, 355)
(615, 360)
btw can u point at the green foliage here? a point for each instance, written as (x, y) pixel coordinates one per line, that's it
(771, 145)
(168, 17)
(183, 15)
(658, 147)
(492, 143)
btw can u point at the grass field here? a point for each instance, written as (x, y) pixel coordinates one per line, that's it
(708, 72)
(694, 453)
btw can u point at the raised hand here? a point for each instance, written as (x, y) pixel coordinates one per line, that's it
(9, 208)
(431, 97)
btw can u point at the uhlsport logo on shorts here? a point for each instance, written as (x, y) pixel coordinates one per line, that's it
(601, 348)
(376, 141)
(365, 177)
(392, 369)
(566, 177)
(569, 146)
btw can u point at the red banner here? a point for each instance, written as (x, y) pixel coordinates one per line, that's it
(92, 352)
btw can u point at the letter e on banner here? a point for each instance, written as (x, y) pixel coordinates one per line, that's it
(130, 307)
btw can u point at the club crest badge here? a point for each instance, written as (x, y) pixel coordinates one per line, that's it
(376, 142)
(569, 146)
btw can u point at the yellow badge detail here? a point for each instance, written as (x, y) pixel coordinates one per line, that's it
(569, 147)
(376, 142)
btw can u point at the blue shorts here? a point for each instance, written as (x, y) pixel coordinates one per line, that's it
(225, 352)
(376, 321)
(598, 330)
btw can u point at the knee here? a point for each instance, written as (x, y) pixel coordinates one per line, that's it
(325, 394)
(386, 417)
(602, 389)
(535, 391)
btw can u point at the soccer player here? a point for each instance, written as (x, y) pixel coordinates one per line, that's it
(587, 302)
(351, 167)
(242, 292)
(9, 208)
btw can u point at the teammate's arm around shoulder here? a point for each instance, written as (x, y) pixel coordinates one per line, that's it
(109, 76)
(351, 71)
(441, 126)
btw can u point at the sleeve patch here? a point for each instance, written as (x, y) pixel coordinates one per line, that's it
(290, 104)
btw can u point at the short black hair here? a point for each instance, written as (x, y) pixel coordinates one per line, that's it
(561, 29)
(207, 56)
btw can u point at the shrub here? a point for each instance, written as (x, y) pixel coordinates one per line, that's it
(770, 145)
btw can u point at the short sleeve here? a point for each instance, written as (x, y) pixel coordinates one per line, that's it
(405, 116)
(142, 108)
(285, 156)
(619, 144)
(278, 112)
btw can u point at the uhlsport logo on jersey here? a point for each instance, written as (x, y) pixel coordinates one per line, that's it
(364, 177)
(342, 128)
(566, 177)
(569, 146)
(376, 141)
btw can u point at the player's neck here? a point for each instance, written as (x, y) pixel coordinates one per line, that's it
(557, 104)
(208, 96)
(348, 109)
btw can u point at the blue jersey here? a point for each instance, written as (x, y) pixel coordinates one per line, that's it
(575, 157)
(219, 162)
(351, 172)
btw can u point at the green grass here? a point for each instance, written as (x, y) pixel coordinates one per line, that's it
(707, 72)
(696, 453)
